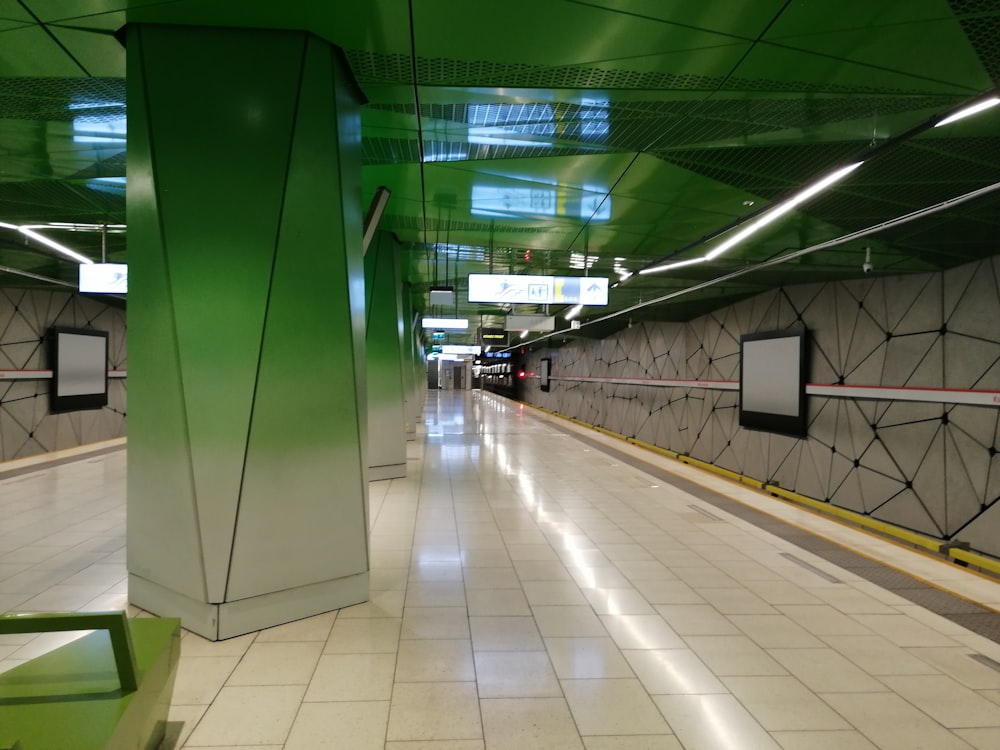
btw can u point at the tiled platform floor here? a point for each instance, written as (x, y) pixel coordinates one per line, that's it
(532, 590)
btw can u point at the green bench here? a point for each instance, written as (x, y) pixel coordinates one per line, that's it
(109, 690)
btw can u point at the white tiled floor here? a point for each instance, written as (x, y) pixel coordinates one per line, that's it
(532, 591)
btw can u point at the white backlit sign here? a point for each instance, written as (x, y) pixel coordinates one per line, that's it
(538, 290)
(453, 324)
(104, 278)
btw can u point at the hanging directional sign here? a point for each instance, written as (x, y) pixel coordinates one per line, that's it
(538, 290)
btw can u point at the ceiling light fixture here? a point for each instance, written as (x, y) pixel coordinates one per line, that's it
(972, 109)
(783, 208)
(573, 312)
(453, 324)
(675, 264)
(61, 249)
(769, 217)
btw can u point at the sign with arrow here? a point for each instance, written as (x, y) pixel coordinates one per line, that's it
(538, 290)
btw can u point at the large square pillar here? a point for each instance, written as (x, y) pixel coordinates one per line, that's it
(247, 486)
(384, 312)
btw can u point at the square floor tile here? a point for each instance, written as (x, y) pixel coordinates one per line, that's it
(277, 664)
(641, 632)
(783, 704)
(491, 578)
(200, 678)
(505, 634)
(618, 602)
(733, 655)
(518, 723)
(636, 742)
(826, 740)
(434, 711)
(364, 636)
(486, 602)
(981, 739)
(696, 619)
(310, 629)
(877, 655)
(195, 645)
(437, 745)
(427, 660)
(516, 674)
(381, 604)
(823, 670)
(708, 722)
(618, 706)
(775, 631)
(542, 570)
(945, 700)
(585, 658)
(891, 723)
(435, 622)
(673, 671)
(248, 716)
(436, 593)
(553, 593)
(352, 677)
(568, 622)
(357, 725)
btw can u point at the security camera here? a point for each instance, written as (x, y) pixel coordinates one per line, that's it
(867, 266)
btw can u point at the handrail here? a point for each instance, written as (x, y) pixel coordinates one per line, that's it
(116, 623)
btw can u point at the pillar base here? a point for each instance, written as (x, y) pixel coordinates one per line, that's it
(216, 622)
(389, 471)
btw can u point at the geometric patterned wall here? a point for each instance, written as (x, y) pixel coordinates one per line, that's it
(26, 427)
(928, 467)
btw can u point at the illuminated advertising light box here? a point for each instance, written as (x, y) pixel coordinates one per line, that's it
(773, 376)
(104, 278)
(79, 361)
(537, 290)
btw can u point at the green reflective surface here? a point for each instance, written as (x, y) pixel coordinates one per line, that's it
(625, 130)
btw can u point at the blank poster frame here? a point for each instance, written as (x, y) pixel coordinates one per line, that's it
(546, 375)
(78, 358)
(773, 377)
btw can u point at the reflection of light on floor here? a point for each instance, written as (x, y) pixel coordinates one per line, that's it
(679, 678)
(427, 559)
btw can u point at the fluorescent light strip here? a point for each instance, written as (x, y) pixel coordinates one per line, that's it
(770, 217)
(61, 249)
(455, 324)
(675, 264)
(573, 312)
(54, 245)
(972, 109)
(781, 209)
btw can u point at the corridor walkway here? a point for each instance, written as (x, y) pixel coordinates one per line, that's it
(539, 586)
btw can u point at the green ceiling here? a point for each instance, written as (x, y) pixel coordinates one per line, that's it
(524, 137)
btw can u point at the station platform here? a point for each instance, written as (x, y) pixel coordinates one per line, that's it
(539, 585)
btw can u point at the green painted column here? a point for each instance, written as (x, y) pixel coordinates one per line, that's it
(386, 419)
(411, 403)
(247, 486)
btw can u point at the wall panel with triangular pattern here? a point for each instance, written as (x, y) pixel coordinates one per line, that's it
(928, 467)
(26, 426)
